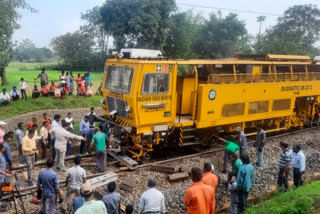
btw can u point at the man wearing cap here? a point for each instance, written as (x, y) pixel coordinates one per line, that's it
(61, 135)
(231, 147)
(90, 205)
(210, 179)
(243, 141)
(152, 200)
(2, 132)
(49, 181)
(29, 149)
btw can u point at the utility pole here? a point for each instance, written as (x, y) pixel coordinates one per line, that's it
(260, 19)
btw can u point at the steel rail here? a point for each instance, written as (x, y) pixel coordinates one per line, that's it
(29, 190)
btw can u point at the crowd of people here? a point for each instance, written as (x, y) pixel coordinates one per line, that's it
(66, 86)
(55, 137)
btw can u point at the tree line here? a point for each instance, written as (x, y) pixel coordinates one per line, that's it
(158, 25)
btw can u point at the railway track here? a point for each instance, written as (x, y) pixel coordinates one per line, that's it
(30, 190)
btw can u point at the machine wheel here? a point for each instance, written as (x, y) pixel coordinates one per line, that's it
(147, 155)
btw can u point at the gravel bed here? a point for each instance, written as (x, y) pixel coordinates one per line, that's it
(264, 177)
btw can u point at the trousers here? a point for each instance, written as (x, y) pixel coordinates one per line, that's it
(260, 157)
(283, 180)
(226, 159)
(297, 177)
(234, 207)
(243, 197)
(101, 159)
(60, 155)
(30, 164)
(23, 94)
(52, 204)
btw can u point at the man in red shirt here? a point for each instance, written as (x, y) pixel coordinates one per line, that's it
(31, 123)
(199, 198)
(210, 179)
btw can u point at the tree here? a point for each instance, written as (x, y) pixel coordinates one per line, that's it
(260, 19)
(8, 24)
(95, 27)
(183, 32)
(296, 32)
(139, 23)
(74, 49)
(26, 51)
(222, 37)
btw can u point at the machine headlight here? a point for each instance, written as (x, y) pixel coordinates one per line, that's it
(127, 108)
(101, 101)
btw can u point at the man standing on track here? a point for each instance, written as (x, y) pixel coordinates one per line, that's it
(61, 135)
(260, 142)
(29, 149)
(284, 164)
(84, 128)
(299, 165)
(49, 181)
(100, 139)
(76, 176)
(19, 137)
(231, 147)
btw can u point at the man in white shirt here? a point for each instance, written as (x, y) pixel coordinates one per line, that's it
(14, 93)
(298, 165)
(23, 88)
(76, 176)
(44, 141)
(4, 97)
(61, 136)
(55, 124)
(69, 119)
(152, 200)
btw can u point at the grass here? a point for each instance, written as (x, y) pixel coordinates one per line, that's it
(305, 199)
(27, 70)
(69, 102)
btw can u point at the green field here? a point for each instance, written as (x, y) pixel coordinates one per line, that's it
(305, 199)
(28, 71)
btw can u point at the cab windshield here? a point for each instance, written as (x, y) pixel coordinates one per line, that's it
(119, 78)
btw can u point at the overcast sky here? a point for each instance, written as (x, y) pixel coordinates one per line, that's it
(57, 17)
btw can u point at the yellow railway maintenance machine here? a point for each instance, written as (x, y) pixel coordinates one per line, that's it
(155, 102)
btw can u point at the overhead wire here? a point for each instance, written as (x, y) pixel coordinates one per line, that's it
(228, 9)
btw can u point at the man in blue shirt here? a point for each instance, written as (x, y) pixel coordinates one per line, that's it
(7, 154)
(244, 181)
(3, 173)
(14, 93)
(49, 181)
(77, 203)
(84, 128)
(112, 199)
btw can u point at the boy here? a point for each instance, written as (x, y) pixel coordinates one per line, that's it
(23, 88)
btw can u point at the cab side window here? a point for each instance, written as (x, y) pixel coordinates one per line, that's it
(156, 83)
